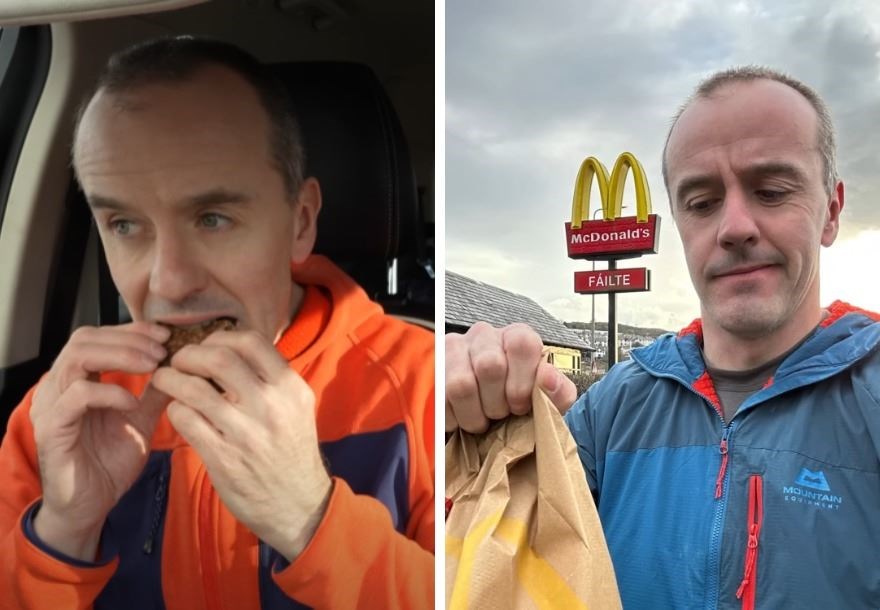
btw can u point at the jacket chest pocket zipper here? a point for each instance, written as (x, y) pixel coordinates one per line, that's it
(749, 584)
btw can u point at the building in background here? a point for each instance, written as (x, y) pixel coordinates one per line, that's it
(469, 301)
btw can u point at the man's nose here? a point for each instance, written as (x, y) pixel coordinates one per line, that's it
(176, 271)
(737, 225)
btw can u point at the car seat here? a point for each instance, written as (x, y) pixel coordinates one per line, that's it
(371, 222)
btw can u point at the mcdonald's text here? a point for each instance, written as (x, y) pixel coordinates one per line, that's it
(618, 280)
(618, 238)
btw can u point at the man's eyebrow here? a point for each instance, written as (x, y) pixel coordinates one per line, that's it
(216, 197)
(100, 202)
(777, 168)
(202, 200)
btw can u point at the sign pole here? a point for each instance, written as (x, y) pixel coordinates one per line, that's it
(593, 323)
(612, 322)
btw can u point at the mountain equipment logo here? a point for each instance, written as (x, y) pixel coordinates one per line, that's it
(813, 480)
(820, 498)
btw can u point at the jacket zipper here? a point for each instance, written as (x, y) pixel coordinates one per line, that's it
(158, 497)
(749, 584)
(713, 589)
(722, 469)
(207, 544)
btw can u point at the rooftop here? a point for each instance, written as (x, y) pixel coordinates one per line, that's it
(469, 301)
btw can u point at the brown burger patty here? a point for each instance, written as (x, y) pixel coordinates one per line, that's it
(181, 337)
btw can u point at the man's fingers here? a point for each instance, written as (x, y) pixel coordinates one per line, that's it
(559, 389)
(489, 365)
(83, 360)
(451, 422)
(198, 395)
(221, 363)
(193, 427)
(259, 354)
(81, 396)
(462, 393)
(144, 336)
(523, 348)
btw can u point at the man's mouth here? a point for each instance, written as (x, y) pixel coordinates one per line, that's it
(192, 321)
(742, 271)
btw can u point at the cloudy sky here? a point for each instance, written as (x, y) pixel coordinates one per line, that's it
(534, 88)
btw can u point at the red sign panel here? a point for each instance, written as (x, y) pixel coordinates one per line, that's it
(617, 280)
(619, 238)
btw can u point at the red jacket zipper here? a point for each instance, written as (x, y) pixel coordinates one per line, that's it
(749, 583)
(719, 480)
(207, 544)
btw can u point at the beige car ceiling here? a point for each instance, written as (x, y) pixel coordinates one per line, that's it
(27, 12)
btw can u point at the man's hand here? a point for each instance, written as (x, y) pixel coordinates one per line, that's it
(92, 438)
(257, 437)
(490, 373)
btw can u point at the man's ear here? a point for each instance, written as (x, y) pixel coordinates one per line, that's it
(832, 215)
(305, 220)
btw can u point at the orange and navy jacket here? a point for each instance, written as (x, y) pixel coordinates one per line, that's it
(171, 543)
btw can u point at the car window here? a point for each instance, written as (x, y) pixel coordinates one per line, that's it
(24, 64)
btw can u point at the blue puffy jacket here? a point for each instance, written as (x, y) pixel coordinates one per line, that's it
(778, 509)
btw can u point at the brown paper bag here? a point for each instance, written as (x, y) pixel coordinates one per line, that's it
(522, 531)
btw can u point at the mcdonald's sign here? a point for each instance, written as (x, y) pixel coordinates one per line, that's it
(612, 237)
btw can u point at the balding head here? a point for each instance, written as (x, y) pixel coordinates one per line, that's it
(178, 59)
(723, 80)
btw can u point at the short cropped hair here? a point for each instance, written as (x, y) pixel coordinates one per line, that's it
(826, 143)
(176, 59)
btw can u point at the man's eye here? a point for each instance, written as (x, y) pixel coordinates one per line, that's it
(770, 196)
(700, 206)
(213, 221)
(121, 227)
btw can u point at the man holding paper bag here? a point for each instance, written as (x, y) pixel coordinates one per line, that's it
(736, 464)
(522, 532)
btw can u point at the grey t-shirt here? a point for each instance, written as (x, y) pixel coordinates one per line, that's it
(733, 387)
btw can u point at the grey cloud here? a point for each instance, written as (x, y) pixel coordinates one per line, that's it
(836, 51)
(564, 64)
(612, 74)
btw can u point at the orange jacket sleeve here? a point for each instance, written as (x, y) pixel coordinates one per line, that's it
(356, 558)
(30, 577)
(383, 569)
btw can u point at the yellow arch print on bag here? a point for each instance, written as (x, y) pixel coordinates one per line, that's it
(522, 531)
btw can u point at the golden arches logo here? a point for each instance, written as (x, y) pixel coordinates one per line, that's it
(610, 189)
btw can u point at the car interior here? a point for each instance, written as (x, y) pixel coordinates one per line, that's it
(361, 79)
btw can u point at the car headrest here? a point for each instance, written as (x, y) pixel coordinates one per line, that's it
(355, 148)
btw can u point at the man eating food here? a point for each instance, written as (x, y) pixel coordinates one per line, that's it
(260, 436)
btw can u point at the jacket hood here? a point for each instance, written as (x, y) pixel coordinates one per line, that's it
(349, 306)
(846, 336)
